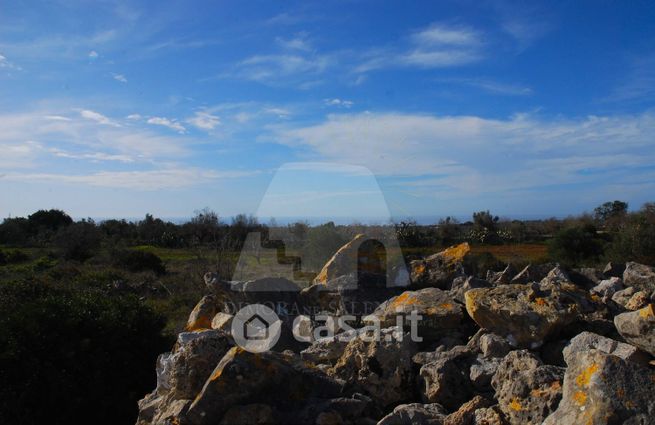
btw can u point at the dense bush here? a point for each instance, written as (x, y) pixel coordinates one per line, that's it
(577, 245)
(13, 256)
(74, 357)
(137, 261)
(79, 241)
(636, 240)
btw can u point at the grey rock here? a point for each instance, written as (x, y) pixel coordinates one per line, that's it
(415, 413)
(446, 379)
(439, 270)
(463, 284)
(492, 345)
(641, 276)
(623, 296)
(587, 341)
(603, 389)
(249, 414)
(439, 313)
(527, 390)
(380, 367)
(638, 327)
(482, 370)
(608, 287)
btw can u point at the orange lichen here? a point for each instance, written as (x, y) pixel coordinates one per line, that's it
(647, 311)
(447, 306)
(540, 301)
(201, 323)
(554, 386)
(419, 269)
(456, 253)
(580, 397)
(584, 378)
(403, 299)
(515, 405)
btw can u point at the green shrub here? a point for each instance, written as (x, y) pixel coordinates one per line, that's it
(72, 357)
(79, 241)
(576, 246)
(138, 261)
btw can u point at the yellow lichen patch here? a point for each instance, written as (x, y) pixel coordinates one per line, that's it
(515, 405)
(403, 299)
(585, 377)
(554, 386)
(647, 311)
(419, 269)
(201, 323)
(469, 298)
(456, 253)
(580, 397)
(216, 374)
(540, 301)
(446, 306)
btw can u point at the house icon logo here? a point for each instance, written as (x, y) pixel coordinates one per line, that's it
(256, 328)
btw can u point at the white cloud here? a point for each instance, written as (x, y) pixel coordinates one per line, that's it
(94, 156)
(57, 118)
(165, 122)
(472, 154)
(93, 55)
(204, 120)
(134, 117)
(97, 117)
(491, 86)
(299, 42)
(120, 78)
(443, 35)
(339, 102)
(437, 46)
(29, 137)
(174, 178)
(280, 112)
(4, 63)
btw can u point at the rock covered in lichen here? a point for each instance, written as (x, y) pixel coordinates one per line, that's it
(638, 327)
(440, 269)
(601, 389)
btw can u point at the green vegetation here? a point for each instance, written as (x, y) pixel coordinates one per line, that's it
(81, 300)
(58, 344)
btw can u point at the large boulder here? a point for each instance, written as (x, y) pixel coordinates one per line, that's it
(638, 327)
(439, 270)
(182, 373)
(439, 312)
(463, 284)
(445, 378)
(524, 314)
(342, 263)
(380, 366)
(527, 390)
(639, 276)
(601, 389)
(202, 314)
(586, 341)
(276, 379)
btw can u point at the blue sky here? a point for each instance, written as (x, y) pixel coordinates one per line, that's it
(116, 109)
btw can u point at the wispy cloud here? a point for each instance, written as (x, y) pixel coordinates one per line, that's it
(166, 179)
(437, 46)
(5, 64)
(468, 154)
(97, 117)
(165, 122)
(638, 82)
(490, 86)
(120, 78)
(298, 42)
(204, 120)
(339, 102)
